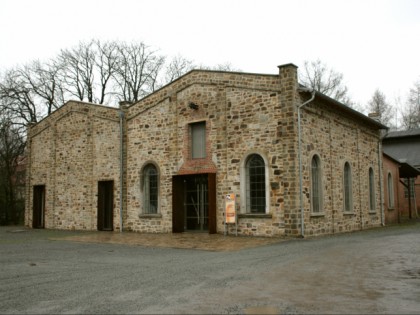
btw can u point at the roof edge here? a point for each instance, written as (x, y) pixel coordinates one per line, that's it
(349, 110)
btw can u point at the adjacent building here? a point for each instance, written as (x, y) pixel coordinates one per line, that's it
(402, 174)
(297, 161)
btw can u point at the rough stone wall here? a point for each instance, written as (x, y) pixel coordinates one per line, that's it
(337, 139)
(78, 145)
(70, 151)
(242, 114)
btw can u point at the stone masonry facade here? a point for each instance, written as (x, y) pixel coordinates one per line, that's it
(79, 145)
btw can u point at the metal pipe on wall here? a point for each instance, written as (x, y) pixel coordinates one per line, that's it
(121, 114)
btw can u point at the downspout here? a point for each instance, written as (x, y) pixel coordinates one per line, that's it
(302, 213)
(381, 184)
(121, 114)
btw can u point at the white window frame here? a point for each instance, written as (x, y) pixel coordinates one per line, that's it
(318, 184)
(347, 187)
(244, 183)
(390, 187)
(143, 188)
(372, 190)
(198, 135)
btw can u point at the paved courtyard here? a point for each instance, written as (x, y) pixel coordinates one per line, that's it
(49, 271)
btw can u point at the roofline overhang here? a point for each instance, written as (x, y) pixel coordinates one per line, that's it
(346, 109)
(406, 169)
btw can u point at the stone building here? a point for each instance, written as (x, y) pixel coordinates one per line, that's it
(298, 162)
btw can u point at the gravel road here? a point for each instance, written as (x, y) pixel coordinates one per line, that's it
(373, 271)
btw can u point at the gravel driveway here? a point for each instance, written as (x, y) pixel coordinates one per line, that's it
(373, 271)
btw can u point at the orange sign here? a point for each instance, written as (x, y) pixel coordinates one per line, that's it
(230, 209)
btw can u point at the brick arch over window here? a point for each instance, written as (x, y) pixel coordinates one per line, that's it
(255, 189)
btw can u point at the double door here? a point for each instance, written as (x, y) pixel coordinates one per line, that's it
(194, 207)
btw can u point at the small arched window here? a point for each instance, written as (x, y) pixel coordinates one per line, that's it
(150, 189)
(316, 185)
(372, 199)
(348, 198)
(255, 184)
(390, 192)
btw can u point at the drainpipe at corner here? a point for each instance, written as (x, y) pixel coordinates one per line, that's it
(121, 114)
(381, 184)
(302, 213)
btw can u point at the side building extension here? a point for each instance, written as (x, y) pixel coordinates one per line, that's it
(298, 162)
(402, 148)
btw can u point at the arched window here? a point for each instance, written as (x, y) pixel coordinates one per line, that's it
(255, 184)
(150, 189)
(316, 185)
(372, 199)
(390, 192)
(348, 198)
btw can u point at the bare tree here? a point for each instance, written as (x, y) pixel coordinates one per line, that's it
(78, 64)
(411, 114)
(106, 63)
(17, 99)
(318, 76)
(379, 105)
(11, 149)
(227, 66)
(44, 80)
(177, 67)
(137, 71)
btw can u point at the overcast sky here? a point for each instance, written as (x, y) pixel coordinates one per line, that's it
(374, 44)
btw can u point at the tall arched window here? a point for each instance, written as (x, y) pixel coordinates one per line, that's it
(348, 198)
(372, 199)
(255, 184)
(316, 185)
(390, 192)
(150, 189)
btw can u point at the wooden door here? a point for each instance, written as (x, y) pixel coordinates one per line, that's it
(106, 205)
(190, 191)
(212, 203)
(178, 204)
(38, 207)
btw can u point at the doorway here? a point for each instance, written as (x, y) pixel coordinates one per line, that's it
(38, 207)
(106, 205)
(194, 203)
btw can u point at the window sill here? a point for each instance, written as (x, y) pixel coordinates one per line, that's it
(391, 209)
(150, 215)
(348, 213)
(315, 215)
(372, 212)
(255, 215)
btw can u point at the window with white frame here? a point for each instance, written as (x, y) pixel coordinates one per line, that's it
(390, 191)
(150, 189)
(198, 140)
(348, 195)
(255, 184)
(372, 197)
(316, 185)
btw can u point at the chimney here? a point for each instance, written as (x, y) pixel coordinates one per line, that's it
(288, 81)
(124, 104)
